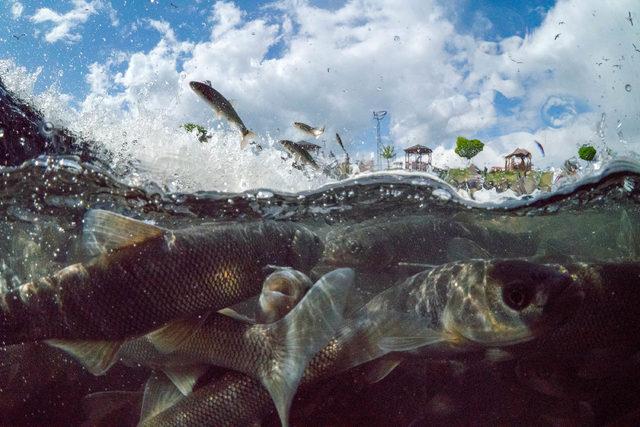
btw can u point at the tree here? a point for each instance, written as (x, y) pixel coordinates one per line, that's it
(388, 153)
(201, 131)
(587, 152)
(468, 148)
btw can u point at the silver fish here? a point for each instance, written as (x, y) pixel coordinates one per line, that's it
(275, 353)
(223, 108)
(300, 155)
(308, 129)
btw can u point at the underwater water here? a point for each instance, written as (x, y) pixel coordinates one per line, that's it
(582, 371)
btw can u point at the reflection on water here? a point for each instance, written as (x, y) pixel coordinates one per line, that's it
(388, 228)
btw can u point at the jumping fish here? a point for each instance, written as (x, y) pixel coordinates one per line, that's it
(223, 108)
(308, 129)
(299, 154)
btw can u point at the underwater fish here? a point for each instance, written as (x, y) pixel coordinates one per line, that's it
(281, 291)
(461, 307)
(275, 353)
(299, 154)
(520, 301)
(607, 319)
(143, 276)
(308, 129)
(223, 108)
(420, 239)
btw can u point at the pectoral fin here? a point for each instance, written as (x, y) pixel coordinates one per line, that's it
(96, 356)
(383, 367)
(159, 394)
(410, 342)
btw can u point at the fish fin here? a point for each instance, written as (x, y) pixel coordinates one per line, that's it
(175, 333)
(302, 333)
(159, 394)
(383, 367)
(185, 377)
(99, 407)
(247, 137)
(410, 342)
(497, 355)
(462, 249)
(96, 356)
(105, 231)
(229, 312)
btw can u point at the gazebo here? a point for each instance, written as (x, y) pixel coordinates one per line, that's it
(413, 158)
(519, 160)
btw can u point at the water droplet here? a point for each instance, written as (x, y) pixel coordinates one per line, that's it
(60, 73)
(1, 132)
(396, 38)
(22, 141)
(47, 128)
(379, 89)
(627, 87)
(628, 185)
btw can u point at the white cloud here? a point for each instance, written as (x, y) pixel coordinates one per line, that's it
(298, 62)
(16, 10)
(66, 25)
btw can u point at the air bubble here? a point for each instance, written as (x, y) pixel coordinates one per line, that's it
(1, 133)
(22, 141)
(47, 128)
(396, 38)
(627, 87)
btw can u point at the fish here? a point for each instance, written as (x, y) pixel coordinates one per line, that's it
(223, 108)
(299, 154)
(281, 291)
(241, 400)
(608, 317)
(630, 19)
(422, 239)
(540, 147)
(462, 307)
(308, 129)
(142, 276)
(275, 353)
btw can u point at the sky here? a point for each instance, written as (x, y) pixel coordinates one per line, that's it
(563, 73)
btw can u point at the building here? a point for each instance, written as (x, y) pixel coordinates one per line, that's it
(413, 159)
(519, 160)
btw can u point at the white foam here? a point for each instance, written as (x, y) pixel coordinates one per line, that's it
(159, 149)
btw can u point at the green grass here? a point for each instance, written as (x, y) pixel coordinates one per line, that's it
(499, 178)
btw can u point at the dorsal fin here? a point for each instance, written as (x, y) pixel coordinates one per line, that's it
(105, 231)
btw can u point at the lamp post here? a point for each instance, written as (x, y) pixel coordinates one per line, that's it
(378, 116)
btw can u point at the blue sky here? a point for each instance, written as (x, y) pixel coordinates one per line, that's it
(509, 72)
(66, 63)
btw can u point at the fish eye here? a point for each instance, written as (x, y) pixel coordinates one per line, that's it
(517, 295)
(355, 247)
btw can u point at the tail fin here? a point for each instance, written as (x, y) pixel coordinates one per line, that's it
(247, 137)
(302, 333)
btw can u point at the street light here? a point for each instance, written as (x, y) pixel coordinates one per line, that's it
(378, 116)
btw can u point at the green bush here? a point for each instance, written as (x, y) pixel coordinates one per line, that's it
(587, 152)
(201, 131)
(468, 148)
